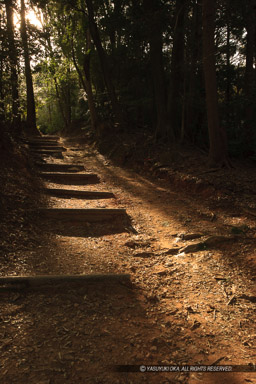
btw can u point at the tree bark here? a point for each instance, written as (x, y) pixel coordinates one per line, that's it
(2, 104)
(228, 66)
(86, 84)
(31, 110)
(14, 65)
(177, 68)
(86, 79)
(195, 77)
(248, 133)
(218, 143)
(119, 116)
(152, 9)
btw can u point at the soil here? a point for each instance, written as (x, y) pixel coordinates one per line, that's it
(183, 306)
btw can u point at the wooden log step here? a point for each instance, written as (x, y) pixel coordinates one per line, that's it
(46, 151)
(56, 155)
(55, 148)
(47, 167)
(38, 280)
(70, 178)
(82, 215)
(40, 140)
(38, 144)
(44, 137)
(69, 193)
(50, 137)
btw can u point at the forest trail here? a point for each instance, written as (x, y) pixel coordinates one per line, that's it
(191, 295)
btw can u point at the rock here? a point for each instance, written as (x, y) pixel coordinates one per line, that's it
(131, 244)
(210, 242)
(136, 244)
(161, 273)
(191, 236)
(216, 240)
(193, 248)
(143, 254)
(195, 325)
(153, 348)
(172, 251)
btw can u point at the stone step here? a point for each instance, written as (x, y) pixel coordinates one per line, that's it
(47, 167)
(69, 193)
(81, 215)
(31, 281)
(70, 178)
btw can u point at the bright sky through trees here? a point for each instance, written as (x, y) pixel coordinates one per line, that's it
(30, 16)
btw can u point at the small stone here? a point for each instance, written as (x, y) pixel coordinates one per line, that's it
(153, 348)
(191, 236)
(143, 254)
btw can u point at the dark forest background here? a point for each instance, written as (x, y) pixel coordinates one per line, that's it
(182, 72)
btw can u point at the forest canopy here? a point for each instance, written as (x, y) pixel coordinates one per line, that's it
(182, 71)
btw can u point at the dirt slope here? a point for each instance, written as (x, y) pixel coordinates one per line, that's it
(184, 305)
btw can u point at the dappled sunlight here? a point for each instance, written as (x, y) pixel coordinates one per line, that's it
(102, 265)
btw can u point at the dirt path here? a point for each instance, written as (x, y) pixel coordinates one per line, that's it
(183, 307)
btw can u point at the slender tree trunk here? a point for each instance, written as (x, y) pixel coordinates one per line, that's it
(31, 110)
(228, 66)
(2, 105)
(14, 65)
(152, 9)
(177, 68)
(218, 144)
(61, 107)
(86, 80)
(249, 134)
(195, 75)
(104, 66)
(67, 99)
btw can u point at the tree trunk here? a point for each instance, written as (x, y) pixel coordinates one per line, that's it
(177, 68)
(14, 65)
(154, 20)
(2, 104)
(104, 66)
(31, 110)
(195, 76)
(86, 84)
(61, 107)
(248, 133)
(228, 85)
(218, 145)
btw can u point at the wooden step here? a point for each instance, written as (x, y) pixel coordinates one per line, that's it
(69, 193)
(41, 141)
(47, 167)
(84, 215)
(28, 281)
(55, 148)
(43, 137)
(56, 155)
(46, 151)
(70, 178)
(39, 144)
(56, 137)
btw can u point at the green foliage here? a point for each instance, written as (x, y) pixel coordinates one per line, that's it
(63, 47)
